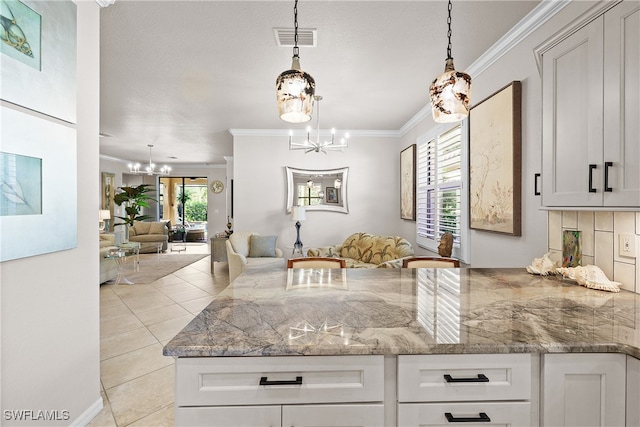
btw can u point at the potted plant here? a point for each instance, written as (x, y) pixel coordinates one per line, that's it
(133, 199)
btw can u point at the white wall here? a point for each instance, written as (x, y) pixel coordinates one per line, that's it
(260, 188)
(50, 303)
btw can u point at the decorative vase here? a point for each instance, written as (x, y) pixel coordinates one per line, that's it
(125, 237)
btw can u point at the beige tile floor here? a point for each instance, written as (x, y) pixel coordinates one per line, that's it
(136, 321)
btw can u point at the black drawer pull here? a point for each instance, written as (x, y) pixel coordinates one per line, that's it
(297, 381)
(536, 191)
(482, 418)
(607, 165)
(591, 168)
(482, 378)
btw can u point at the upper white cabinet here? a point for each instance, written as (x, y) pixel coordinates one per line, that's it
(591, 111)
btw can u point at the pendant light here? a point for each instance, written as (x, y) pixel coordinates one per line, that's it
(450, 92)
(295, 88)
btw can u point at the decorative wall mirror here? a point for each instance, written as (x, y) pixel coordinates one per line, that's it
(317, 190)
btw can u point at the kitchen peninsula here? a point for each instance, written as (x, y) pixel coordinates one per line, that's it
(402, 346)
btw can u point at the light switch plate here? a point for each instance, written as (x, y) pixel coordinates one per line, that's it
(627, 245)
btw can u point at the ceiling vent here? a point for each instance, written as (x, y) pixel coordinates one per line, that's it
(307, 37)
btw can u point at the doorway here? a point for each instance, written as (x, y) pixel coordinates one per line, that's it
(183, 202)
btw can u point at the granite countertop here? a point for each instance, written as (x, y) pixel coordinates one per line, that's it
(405, 311)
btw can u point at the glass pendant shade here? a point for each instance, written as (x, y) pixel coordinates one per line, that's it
(294, 91)
(450, 95)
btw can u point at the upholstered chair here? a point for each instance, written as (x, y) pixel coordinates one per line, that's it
(249, 250)
(316, 262)
(430, 262)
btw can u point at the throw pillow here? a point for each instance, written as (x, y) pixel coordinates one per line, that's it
(141, 227)
(157, 228)
(262, 246)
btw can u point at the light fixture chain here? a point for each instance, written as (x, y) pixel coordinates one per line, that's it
(449, 31)
(295, 28)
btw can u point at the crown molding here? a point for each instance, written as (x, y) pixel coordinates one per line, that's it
(323, 132)
(105, 3)
(527, 25)
(173, 165)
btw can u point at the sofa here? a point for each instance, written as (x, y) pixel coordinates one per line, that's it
(108, 267)
(149, 235)
(248, 250)
(364, 250)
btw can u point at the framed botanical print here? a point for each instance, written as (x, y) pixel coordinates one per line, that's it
(408, 183)
(495, 162)
(108, 191)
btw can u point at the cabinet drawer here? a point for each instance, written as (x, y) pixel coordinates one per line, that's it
(471, 377)
(305, 379)
(494, 413)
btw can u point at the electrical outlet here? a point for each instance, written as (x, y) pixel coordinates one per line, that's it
(627, 245)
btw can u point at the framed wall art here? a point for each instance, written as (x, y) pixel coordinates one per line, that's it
(408, 183)
(38, 56)
(331, 195)
(495, 162)
(108, 191)
(38, 197)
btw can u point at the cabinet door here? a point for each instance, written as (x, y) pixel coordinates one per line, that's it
(467, 413)
(583, 390)
(349, 415)
(633, 391)
(622, 104)
(224, 416)
(572, 82)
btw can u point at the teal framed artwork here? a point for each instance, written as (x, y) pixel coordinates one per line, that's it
(38, 192)
(20, 32)
(38, 56)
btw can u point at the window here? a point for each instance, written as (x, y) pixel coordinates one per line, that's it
(309, 194)
(439, 194)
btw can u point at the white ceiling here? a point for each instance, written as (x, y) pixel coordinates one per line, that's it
(180, 74)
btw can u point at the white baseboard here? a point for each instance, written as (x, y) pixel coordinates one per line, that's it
(89, 414)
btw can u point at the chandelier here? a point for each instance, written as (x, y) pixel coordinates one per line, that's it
(450, 92)
(317, 146)
(294, 87)
(150, 169)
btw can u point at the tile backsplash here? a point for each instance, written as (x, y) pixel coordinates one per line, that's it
(600, 241)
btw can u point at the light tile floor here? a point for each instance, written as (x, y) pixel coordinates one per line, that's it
(136, 321)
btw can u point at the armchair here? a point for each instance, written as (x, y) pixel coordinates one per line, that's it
(247, 250)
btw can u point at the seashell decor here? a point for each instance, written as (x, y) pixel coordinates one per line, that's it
(543, 266)
(590, 276)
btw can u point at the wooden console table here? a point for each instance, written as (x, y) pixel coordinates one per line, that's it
(218, 250)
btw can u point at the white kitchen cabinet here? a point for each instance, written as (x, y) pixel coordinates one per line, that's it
(580, 389)
(591, 114)
(266, 391)
(348, 415)
(633, 391)
(622, 103)
(351, 415)
(488, 389)
(514, 414)
(225, 416)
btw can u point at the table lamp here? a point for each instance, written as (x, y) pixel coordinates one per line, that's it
(298, 214)
(103, 216)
